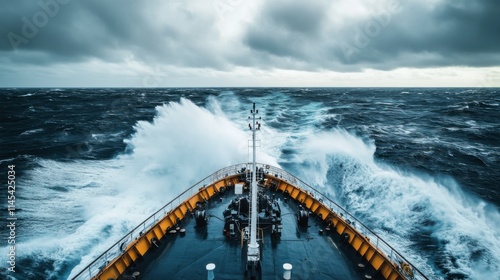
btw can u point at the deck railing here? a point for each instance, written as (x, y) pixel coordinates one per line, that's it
(376, 240)
(118, 248)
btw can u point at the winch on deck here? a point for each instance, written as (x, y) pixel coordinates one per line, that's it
(236, 216)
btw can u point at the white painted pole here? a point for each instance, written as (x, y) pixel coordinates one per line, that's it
(253, 254)
(253, 221)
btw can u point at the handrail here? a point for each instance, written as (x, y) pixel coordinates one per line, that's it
(376, 240)
(116, 249)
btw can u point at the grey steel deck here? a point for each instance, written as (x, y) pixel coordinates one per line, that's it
(313, 255)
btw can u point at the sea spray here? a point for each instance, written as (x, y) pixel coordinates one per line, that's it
(65, 200)
(409, 209)
(96, 202)
(182, 144)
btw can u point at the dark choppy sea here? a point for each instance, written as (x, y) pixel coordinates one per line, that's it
(419, 166)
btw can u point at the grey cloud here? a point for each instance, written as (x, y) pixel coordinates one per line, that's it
(81, 30)
(289, 29)
(292, 34)
(58, 34)
(453, 33)
(402, 34)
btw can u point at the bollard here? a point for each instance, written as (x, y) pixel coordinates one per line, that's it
(287, 274)
(210, 271)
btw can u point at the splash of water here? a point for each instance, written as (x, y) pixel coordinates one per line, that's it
(443, 230)
(106, 199)
(183, 144)
(429, 219)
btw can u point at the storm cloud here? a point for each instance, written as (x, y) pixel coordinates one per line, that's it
(222, 35)
(107, 30)
(391, 34)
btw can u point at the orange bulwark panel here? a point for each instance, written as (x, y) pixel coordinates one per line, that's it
(120, 265)
(386, 270)
(166, 224)
(184, 208)
(301, 196)
(394, 275)
(127, 260)
(158, 232)
(369, 254)
(282, 186)
(192, 201)
(142, 246)
(357, 242)
(200, 196)
(290, 189)
(309, 202)
(377, 261)
(150, 235)
(210, 190)
(352, 235)
(109, 273)
(314, 206)
(340, 227)
(172, 219)
(205, 194)
(362, 250)
(335, 221)
(295, 192)
(133, 253)
(179, 214)
(220, 184)
(323, 211)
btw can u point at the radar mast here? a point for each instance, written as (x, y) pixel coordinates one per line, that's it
(253, 252)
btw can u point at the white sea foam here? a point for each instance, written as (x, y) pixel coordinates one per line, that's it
(83, 207)
(185, 142)
(32, 131)
(397, 203)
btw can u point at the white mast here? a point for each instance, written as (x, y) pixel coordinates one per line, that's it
(253, 254)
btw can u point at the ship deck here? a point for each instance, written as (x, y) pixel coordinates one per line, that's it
(313, 255)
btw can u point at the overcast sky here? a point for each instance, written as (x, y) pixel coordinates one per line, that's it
(170, 43)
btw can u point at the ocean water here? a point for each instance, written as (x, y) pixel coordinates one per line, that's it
(421, 167)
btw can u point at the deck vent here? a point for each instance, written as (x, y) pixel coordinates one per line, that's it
(210, 271)
(287, 274)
